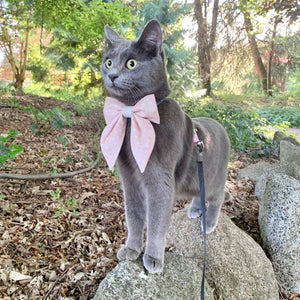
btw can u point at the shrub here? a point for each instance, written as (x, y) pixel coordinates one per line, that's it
(239, 124)
(279, 115)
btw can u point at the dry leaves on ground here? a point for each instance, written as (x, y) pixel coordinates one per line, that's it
(59, 237)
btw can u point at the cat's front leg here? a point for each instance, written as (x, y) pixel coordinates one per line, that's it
(159, 208)
(135, 218)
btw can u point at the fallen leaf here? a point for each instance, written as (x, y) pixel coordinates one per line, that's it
(16, 276)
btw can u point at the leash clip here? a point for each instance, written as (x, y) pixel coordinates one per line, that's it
(200, 145)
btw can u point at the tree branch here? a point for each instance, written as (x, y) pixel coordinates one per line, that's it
(53, 176)
(50, 176)
(213, 30)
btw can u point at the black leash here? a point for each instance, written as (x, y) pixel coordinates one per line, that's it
(200, 146)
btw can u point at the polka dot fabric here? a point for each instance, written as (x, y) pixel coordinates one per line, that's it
(142, 135)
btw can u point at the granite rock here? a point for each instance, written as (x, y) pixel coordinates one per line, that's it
(279, 221)
(289, 153)
(255, 171)
(180, 280)
(237, 267)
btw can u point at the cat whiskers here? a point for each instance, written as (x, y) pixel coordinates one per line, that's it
(134, 91)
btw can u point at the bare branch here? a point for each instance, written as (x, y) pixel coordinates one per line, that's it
(50, 176)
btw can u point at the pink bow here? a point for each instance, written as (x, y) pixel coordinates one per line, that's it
(142, 135)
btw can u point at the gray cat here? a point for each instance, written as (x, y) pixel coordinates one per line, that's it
(131, 70)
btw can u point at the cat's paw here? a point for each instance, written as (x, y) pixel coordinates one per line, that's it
(194, 212)
(210, 226)
(126, 253)
(153, 265)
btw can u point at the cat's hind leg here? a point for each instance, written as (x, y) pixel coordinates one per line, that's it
(194, 210)
(214, 204)
(135, 218)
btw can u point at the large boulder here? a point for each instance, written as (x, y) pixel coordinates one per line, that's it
(254, 171)
(289, 168)
(180, 280)
(237, 267)
(289, 164)
(280, 136)
(289, 153)
(279, 221)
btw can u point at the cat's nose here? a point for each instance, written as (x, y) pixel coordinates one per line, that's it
(113, 77)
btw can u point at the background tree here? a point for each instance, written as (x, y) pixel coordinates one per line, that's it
(261, 70)
(284, 10)
(15, 28)
(170, 15)
(79, 24)
(206, 37)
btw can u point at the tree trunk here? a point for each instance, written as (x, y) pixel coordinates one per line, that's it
(205, 41)
(262, 73)
(18, 69)
(271, 54)
(20, 78)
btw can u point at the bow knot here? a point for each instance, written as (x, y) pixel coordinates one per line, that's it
(142, 135)
(127, 111)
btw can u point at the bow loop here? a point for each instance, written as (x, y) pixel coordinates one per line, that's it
(142, 135)
(146, 108)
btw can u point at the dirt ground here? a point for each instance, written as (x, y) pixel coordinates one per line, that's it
(59, 237)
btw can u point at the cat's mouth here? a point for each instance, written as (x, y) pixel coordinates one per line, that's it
(116, 91)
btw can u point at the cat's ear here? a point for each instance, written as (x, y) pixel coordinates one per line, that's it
(111, 36)
(151, 37)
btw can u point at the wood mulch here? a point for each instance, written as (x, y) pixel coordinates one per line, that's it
(59, 237)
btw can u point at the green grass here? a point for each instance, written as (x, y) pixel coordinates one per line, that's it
(83, 102)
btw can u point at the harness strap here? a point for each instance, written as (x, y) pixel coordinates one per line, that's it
(158, 102)
(200, 146)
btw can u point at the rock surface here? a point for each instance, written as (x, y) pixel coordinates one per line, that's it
(254, 171)
(279, 220)
(289, 153)
(237, 267)
(180, 280)
(289, 164)
(280, 136)
(288, 168)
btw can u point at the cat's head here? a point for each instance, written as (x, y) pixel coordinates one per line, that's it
(134, 69)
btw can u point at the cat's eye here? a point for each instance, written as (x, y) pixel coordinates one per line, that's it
(108, 63)
(131, 64)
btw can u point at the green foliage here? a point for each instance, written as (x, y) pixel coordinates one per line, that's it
(55, 194)
(63, 206)
(64, 140)
(94, 99)
(9, 88)
(182, 74)
(293, 84)
(239, 124)
(39, 70)
(9, 151)
(56, 118)
(280, 115)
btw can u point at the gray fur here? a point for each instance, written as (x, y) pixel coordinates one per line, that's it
(172, 168)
